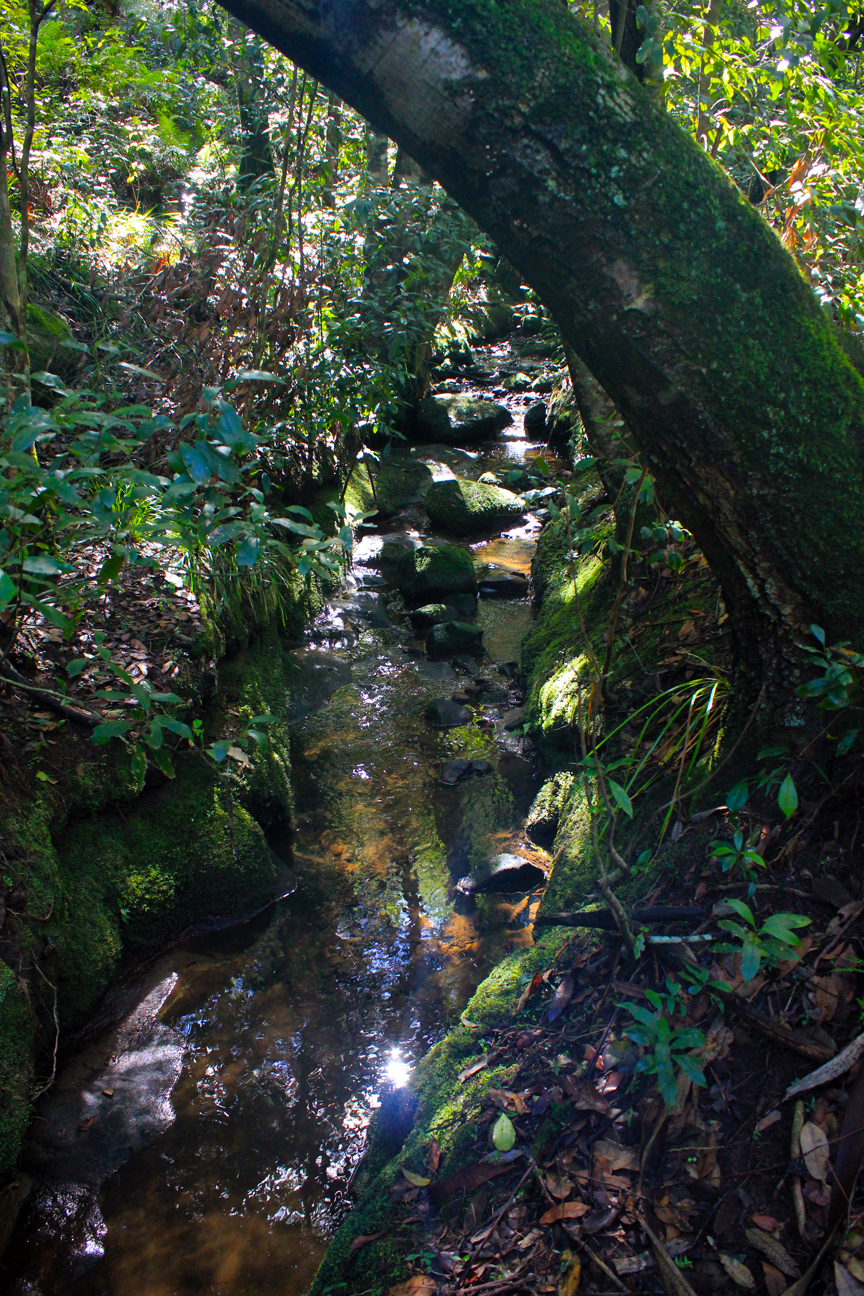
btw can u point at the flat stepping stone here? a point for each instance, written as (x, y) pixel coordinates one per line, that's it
(442, 713)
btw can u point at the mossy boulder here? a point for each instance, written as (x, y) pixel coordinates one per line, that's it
(431, 614)
(452, 637)
(459, 420)
(387, 486)
(545, 813)
(562, 420)
(429, 573)
(49, 340)
(470, 508)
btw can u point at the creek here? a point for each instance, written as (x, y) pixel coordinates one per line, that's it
(202, 1134)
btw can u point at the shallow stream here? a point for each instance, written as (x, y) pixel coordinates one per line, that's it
(204, 1138)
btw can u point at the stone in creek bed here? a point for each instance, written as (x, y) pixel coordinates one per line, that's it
(453, 771)
(469, 508)
(444, 714)
(432, 614)
(514, 719)
(454, 637)
(459, 420)
(535, 417)
(498, 582)
(502, 873)
(444, 570)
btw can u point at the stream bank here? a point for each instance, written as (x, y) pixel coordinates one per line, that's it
(293, 1022)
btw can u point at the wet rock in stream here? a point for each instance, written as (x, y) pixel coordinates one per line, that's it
(427, 573)
(454, 637)
(452, 772)
(498, 582)
(502, 873)
(470, 508)
(443, 713)
(459, 419)
(318, 676)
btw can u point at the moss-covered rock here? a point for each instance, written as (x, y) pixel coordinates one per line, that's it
(459, 420)
(387, 486)
(452, 637)
(562, 419)
(546, 808)
(469, 508)
(107, 886)
(432, 614)
(430, 572)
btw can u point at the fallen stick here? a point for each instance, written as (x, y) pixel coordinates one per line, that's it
(839, 1065)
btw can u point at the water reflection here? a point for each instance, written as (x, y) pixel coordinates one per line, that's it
(290, 1030)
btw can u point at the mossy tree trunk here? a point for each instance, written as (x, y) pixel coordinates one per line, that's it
(671, 289)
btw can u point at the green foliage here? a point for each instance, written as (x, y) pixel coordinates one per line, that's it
(774, 942)
(667, 1048)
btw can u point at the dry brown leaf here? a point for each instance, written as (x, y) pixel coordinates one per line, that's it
(617, 1157)
(633, 1264)
(814, 1149)
(363, 1240)
(558, 1186)
(87, 1124)
(588, 1099)
(845, 1283)
(774, 1250)
(474, 1068)
(766, 1222)
(774, 1280)
(531, 989)
(433, 1157)
(738, 1272)
(565, 1210)
(563, 995)
(419, 1285)
(767, 1121)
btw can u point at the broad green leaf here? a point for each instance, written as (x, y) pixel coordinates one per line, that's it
(164, 762)
(419, 1181)
(103, 733)
(8, 589)
(45, 565)
(621, 797)
(751, 957)
(787, 797)
(744, 910)
(737, 798)
(503, 1133)
(247, 551)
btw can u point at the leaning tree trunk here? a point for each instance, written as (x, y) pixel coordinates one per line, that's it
(672, 290)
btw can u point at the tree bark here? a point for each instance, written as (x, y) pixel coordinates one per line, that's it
(256, 153)
(669, 286)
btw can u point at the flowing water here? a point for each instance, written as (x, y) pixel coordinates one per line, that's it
(204, 1141)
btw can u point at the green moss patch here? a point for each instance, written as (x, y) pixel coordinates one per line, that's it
(470, 508)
